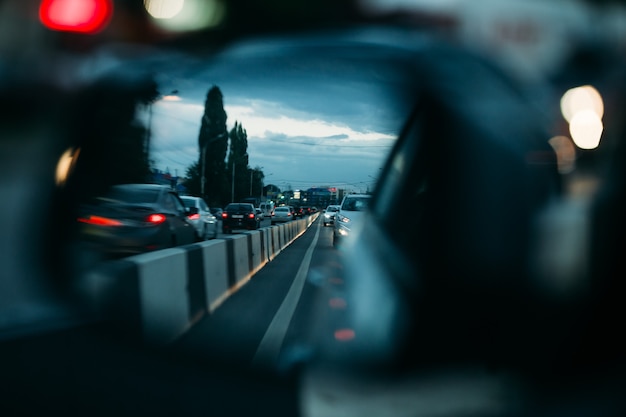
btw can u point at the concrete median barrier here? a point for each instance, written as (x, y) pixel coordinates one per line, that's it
(157, 296)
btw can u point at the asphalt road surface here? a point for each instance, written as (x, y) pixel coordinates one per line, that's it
(276, 321)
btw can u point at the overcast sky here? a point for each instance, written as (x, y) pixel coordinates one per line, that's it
(309, 124)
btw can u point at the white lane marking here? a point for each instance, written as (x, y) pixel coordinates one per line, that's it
(269, 348)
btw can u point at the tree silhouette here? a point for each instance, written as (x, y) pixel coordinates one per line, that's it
(256, 177)
(213, 144)
(192, 179)
(238, 162)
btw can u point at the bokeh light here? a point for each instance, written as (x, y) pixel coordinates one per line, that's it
(337, 302)
(186, 15)
(65, 165)
(344, 335)
(586, 129)
(164, 9)
(80, 16)
(579, 99)
(583, 108)
(565, 153)
(171, 97)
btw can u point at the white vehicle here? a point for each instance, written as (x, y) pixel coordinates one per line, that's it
(349, 215)
(282, 214)
(205, 223)
(267, 208)
(329, 214)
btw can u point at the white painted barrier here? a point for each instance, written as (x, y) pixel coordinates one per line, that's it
(164, 300)
(157, 296)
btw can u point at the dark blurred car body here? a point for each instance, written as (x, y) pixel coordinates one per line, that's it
(240, 216)
(298, 212)
(135, 218)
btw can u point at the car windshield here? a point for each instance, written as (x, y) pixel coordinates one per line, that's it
(355, 203)
(238, 207)
(189, 202)
(130, 195)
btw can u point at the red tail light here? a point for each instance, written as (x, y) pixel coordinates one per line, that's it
(99, 221)
(156, 218)
(194, 216)
(80, 16)
(251, 216)
(224, 215)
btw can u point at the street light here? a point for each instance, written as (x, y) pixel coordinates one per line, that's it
(203, 177)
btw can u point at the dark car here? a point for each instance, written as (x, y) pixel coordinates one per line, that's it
(239, 216)
(298, 212)
(135, 218)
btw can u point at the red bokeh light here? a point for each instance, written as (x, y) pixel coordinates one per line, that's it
(80, 16)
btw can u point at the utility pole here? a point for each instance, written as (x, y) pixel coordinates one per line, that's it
(251, 172)
(232, 196)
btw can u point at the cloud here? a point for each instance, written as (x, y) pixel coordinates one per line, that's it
(302, 148)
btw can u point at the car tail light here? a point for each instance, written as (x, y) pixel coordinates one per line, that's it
(99, 221)
(224, 215)
(156, 218)
(251, 216)
(195, 216)
(79, 16)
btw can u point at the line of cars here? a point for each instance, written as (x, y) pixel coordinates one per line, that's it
(130, 219)
(135, 218)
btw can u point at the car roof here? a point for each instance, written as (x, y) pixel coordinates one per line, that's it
(142, 186)
(357, 196)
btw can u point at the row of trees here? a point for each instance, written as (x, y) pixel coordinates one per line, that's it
(221, 174)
